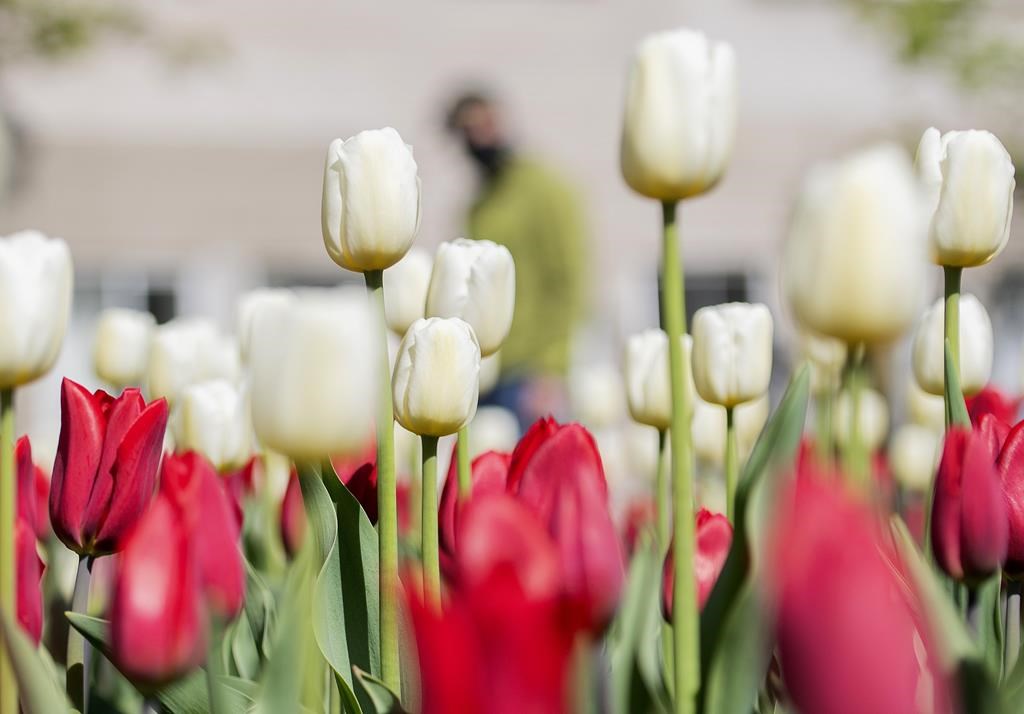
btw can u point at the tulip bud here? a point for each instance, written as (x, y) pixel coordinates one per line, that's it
(873, 419)
(314, 374)
(26, 489)
(851, 638)
(157, 615)
(36, 274)
(854, 265)
(476, 281)
(713, 539)
(1010, 465)
(490, 372)
(213, 419)
(437, 374)
(648, 391)
(969, 519)
(121, 352)
(975, 347)
(913, 455)
(405, 290)
(293, 517)
(826, 357)
(189, 350)
(680, 115)
(926, 409)
(709, 428)
(488, 474)
(371, 202)
(106, 466)
(969, 178)
(28, 580)
(732, 352)
(251, 304)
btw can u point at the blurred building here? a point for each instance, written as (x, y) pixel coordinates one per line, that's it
(178, 187)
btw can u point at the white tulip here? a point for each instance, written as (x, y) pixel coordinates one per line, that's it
(493, 429)
(121, 350)
(975, 347)
(189, 350)
(873, 419)
(648, 389)
(35, 302)
(437, 376)
(475, 280)
(680, 115)
(371, 203)
(969, 176)
(855, 263)
(914, 456)
(314, 374)
(732, 352)
(249, 306)
(826, 357)
(490, 372)
(596, 395)
(213, 419)
(924, 409)
(709, 428)
(405, 290)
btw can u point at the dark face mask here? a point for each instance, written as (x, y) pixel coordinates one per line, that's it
(489, 157)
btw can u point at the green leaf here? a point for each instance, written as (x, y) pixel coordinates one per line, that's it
(245, 657)
(732, 658)
(957, 407)
(37, 691)
(384, 700)
(345, 599)
(94, 629)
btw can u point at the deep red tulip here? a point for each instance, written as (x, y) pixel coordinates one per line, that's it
(200, 494)
(562, 481)
(41, 487)
(488, 474)
(158, 617)
(537, 434)
(970, 529)
(850, 633)
(713, 538)
(1010, 465)
(293, 516)
(28, 580)
(240, 484)
(106, 466)
(359, 474)
(992, 401)
(26, 480)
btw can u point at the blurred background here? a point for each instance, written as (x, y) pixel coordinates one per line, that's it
(177, 145)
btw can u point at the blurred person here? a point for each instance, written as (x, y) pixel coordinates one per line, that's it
(533, 210)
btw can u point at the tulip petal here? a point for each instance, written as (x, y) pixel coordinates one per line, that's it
(983, 523)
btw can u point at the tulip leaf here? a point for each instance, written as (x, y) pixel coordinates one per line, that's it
(384, 700)
(37, 691)
(94, 629)
(345, 599)
(191, 695)
(732, 603)
(956, 407)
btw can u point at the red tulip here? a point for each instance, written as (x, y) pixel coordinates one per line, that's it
(562, 481)
(488, 474)
(850, 635)
(41, 488)
(359, 474)
(191, 482)
(240, 484)
(641, 518)
(28, 579)
(537, 434)
(158, 617)
(992, 401)
(713, 540)
(293, 517)
(106, 466)
(1010, 465)
(26, 478)
(970, 529)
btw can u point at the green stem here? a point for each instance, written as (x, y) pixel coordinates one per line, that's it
(856, 456)
(77, 682)
(685, 630)
(8, 499)
(823, 413)
(661, 495)
(215, 669)
(951, 330)
(428, 523)
(387, 504)
(732, 463)
(1011, 642)
(464, 465)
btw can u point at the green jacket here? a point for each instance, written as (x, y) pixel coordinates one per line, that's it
(537, 216)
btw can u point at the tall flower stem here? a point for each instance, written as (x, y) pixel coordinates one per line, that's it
(428, 523)
(464, 465)
(77, 682)
(661, 494)
(387, 504)
(951, 332)
(685, 630)
(855, 456)
(823, 414)
(8, 499)
(215, 669)
(732, 463)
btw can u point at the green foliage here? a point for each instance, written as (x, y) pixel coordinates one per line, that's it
(38, 692)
